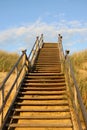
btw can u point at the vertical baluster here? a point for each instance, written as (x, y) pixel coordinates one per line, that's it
(27, 64)
(24, 61)
(2, 102)
(75, 98)
(41, 41)
(16, 72)
(37, 46)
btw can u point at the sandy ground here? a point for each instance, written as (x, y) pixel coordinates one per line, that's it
(2, 76)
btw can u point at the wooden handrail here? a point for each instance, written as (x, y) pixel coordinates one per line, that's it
(77, 96)
(77, 92)
(34, 52)
(27, 61)
(4, 98)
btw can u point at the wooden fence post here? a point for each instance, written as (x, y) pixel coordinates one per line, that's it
(16, 72)
(41, 41)
(2, 101)
(24, 61)
(37, 45)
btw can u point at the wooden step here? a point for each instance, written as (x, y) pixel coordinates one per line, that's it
(42, 104)
(56, 125)
(54, 63)
(44, 80)
(43, 98)
(42, 110)
(50, 53)
(48, 68)
(48, 61)
(45, 74)
(42, 89)
(43, 92)
(49, 57)
(46, 84)
(46, 71)
(48, 49)
(47, 65)
(44, 77)
(41, 117)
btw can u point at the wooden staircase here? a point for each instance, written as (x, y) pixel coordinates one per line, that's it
(42, 102)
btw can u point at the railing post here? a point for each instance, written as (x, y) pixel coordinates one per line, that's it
(60, 44)
(59, 38)
(37, 47)
(41, 41)
(24, 61)
(37, 44)
(67, 66)
(2, 102)
(62, 57)
(35, 51)
(75, 98)
(16, 72)
(27, 64)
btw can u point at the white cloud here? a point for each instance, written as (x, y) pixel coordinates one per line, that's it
(24, 36)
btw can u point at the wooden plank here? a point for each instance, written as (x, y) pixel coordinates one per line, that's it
(44, 80)
(46, 84)
(46, 74)
(42, 104)
(42, 99)
(43, 92)
(41, 125)
(43, 89)
(41, 117)
(43, 110)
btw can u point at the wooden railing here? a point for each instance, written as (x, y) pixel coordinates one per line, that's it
(34, 52)
(61, 53)
(17, 73)
(80, 110)
(75, 95)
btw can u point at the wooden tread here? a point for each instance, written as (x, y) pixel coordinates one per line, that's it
(56, 125)
(41, 117)
(43, 110)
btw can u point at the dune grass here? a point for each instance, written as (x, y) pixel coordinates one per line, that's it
(7, 60)
(79, 58)
(79, 62)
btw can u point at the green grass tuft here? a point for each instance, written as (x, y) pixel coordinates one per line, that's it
(7, 60)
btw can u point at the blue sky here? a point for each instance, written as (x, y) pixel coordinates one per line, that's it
(22, 20)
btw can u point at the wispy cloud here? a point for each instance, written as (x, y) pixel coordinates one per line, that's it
(74, 33)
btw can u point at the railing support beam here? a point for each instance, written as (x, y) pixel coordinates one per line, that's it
(24, 61)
